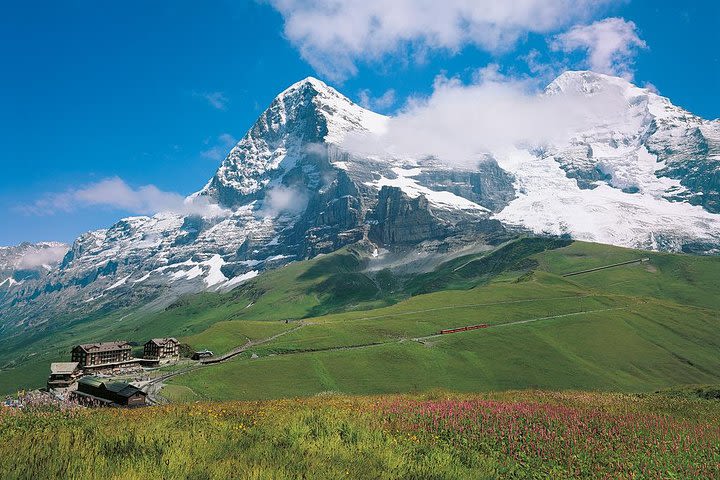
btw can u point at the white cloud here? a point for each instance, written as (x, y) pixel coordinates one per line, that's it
(381, 103)
(281, 199)
(213, 153)
(460, 123)
(489, 73)
(227, 139)
(42, 255)
(334, 35)
(651, 87)
(219, 150)
(543, 66)
(115, 193)
(216, 100)
(611, 45)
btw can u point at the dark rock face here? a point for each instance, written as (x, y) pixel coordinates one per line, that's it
(700, 248)
(332, 219)
(489, 185)
(579, 163)
(702, 179)
(693, 161)
(399, 219)
(289, 125)
(191, 228)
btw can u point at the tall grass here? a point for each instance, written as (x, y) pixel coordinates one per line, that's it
(513, 435)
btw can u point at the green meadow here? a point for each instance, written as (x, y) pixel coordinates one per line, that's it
(607, 374)
(436, 435)
(338, 327)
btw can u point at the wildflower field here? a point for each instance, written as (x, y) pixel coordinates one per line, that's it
(522, 434)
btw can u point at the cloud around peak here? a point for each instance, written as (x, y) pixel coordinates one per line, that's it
(611, 45)
(115, 193)
(460, 123)
(38, 256)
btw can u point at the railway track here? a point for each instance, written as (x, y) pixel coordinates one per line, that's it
(151, 386)
(590, 270)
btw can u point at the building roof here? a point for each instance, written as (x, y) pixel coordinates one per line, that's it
(121, 389)
(63, 368)
(91, 381)
(163, 341)
(130, 390)
(104, 346)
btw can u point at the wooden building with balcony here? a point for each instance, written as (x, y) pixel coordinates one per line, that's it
(92, 355)
(63, 375)
(162, 349)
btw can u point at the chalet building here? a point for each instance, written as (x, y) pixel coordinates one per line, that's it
(93, 390)
(102, 354)
(199, 355)
(162, 349)
(63, 375)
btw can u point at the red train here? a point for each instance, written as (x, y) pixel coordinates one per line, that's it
(464, 329)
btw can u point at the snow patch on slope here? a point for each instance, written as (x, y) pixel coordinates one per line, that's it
(410, 186)
(215, 275)
(551, 203)
(209, 269)
(233, 282)
(117, 284)
(10, 282)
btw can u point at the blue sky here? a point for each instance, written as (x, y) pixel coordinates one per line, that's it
(154, 93)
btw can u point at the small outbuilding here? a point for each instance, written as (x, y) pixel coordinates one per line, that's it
(63, 375)
(113, 394)
(200, 354)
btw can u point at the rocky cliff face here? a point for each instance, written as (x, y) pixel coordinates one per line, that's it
(291, 189)
(401, 220)
(487, 185)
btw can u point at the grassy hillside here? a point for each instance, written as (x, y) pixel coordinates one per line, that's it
(637, 327)
(637, 350)
(529, 434)
(207, 320)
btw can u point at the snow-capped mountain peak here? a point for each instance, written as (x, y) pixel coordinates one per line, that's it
(646, 176)
(626, 178)
(307, 113)
(340, 113)
(587, 82)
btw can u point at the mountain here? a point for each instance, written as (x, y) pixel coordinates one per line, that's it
(647, 176)
(29, 262)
